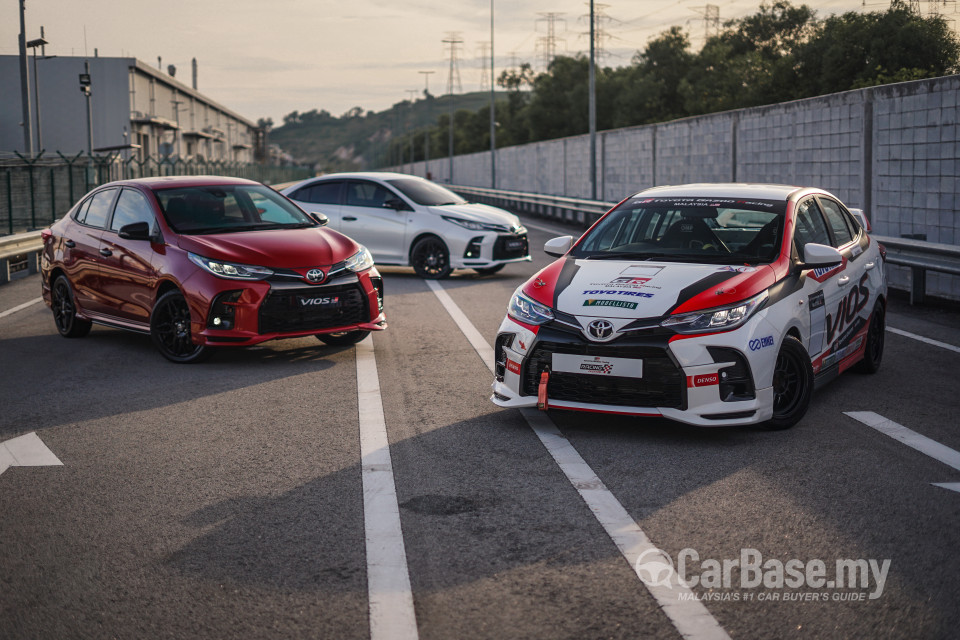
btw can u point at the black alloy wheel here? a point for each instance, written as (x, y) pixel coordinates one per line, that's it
(430, 258)
(873, 353)
(170, 330)
(65, 310)
(792, 385)
(342, 338)
(489, 271)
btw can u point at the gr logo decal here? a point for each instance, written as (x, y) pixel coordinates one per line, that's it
(761, 343)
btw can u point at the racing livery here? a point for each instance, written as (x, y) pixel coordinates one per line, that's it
(709, 304)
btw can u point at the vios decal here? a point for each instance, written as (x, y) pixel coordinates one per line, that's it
(761, 343)
(848, 309)
(307, 302)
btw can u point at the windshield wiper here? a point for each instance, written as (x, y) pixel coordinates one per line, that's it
(625, 255)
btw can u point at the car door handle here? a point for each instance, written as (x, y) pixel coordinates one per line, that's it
(69, 244)
(106, 253)
(869, 265)
(348, 219)
(842, 280)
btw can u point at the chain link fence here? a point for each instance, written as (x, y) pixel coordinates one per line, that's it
(35, 192)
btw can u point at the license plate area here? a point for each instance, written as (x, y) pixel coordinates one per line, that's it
(514, 245)
(598, 365)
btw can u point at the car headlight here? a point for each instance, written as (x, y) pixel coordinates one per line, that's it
(720, 319)
(477, 226)
(230, 270)
(360, 261)
(526, 310)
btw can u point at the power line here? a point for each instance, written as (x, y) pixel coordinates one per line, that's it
(453, 42)
(546, 46)
(485, 66)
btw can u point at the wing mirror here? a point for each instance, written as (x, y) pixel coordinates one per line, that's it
(819, 255)
(558, 247)
(321, 218)
(135, 231)
(396, 204)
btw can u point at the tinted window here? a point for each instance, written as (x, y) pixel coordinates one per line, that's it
(82, 210)
(321, 193)
(810, 225)
(229, 208)
(367, 194)
(99, 208)
(425, 192)
(842, 231)
(132, 206)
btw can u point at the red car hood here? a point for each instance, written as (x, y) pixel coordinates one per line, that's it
(279, 248)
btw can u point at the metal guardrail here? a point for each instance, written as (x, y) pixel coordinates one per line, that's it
(918, 255)
(17, 248)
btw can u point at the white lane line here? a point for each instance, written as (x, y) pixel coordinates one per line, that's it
(20, 307)
(912, 439)
(27, 450)
(388, 581)
(688, 615)
(936, 343)
(952, 486)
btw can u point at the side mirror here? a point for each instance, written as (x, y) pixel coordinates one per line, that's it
(135, 231)
(819, 255)
(321, 218)
(396, 204)
(558, 247)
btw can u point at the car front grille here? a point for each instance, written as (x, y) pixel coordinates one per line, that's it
(503, 248)
(283, 310)
(662, 384)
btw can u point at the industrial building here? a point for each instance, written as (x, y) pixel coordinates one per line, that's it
(136, 110)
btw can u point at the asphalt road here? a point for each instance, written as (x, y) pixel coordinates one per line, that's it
(226, 499)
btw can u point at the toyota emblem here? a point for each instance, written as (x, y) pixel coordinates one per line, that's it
(315, 275)
(600, 329)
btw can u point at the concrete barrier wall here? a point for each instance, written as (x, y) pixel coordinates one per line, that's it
(892, 150)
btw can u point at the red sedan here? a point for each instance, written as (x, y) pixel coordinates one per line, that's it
(206, 262)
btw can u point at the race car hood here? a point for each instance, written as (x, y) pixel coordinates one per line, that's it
(633, 290)
(476, 212)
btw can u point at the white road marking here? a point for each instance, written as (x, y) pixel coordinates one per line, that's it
(952, 486)
(388, 580)
(912, 439)
(936, 343)
(20, 307)
(688, 615)
(26, 451)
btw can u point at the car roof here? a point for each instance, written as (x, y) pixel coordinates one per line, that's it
(727, 190)
(367, 175)
(173, 182)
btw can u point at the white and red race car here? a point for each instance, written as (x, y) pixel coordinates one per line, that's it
(709, 304)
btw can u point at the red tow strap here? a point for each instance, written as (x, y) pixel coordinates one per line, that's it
(542, 402)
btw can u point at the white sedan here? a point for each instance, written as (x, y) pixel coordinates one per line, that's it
(409, 221)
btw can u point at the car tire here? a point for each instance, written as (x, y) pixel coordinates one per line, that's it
(873, 351)
(431, 258)
(342, 339)
(792, 385)
(489, 271)
(170, 330)
(64, 309)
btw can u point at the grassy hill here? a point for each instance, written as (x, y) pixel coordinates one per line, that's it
(358, 140)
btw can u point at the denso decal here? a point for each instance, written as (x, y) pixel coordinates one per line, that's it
(513, 367)
(620, 304)
(705, 380)
(761, 343)
(848, 309)
(609, 292)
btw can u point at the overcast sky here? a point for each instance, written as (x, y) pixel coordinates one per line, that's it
(266, 59)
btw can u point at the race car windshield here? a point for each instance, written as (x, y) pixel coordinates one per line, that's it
(229, 209)
(425, 193)
(688, 230)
